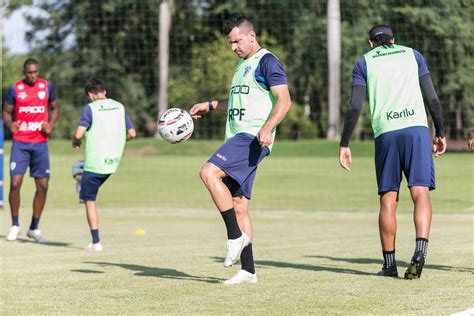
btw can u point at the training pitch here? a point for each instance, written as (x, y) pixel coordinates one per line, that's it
(316, 250)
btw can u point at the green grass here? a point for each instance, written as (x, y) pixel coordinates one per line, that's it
(316, 247)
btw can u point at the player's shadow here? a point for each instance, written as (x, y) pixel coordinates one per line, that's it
(302, 266)
(49, 243)
(157, 272)
(399, 263)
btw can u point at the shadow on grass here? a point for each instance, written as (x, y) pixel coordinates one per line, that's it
(399, 263)
(49, 243)
(87, 271)
(157, 272)
(302, 266)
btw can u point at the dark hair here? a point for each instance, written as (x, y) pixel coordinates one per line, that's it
(94, 86)
(381, 35)
(30, 61)
(236, 21)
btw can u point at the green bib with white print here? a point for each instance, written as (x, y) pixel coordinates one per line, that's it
(249, 105)
(394, 89)
(105, 139)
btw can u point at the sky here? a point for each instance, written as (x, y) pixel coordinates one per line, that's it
(14, 29)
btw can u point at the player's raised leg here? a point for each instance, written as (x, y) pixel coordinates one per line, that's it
(213, 176)
(422, 218)
(388, 232)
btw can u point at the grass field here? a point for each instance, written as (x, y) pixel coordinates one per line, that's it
(316, 247)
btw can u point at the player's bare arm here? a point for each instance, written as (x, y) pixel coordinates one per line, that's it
(47, 127)
(282, 107)
(7, 117)
(199, 109)
(78, 135)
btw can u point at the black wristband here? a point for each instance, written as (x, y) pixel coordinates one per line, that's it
(211, 108)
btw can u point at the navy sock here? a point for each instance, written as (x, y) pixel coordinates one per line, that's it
(230, 220)
(389, 259)
(34, 223)
(15, 221)
(95, 236)
(246, 257)
(422, 245)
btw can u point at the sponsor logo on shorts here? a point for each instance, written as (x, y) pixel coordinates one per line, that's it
(12, 165)
(221, 157)
(47, 171)
(393, 115)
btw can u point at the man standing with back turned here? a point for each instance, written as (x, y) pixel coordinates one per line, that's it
(29, 99)
(392, 75)
(258, 101)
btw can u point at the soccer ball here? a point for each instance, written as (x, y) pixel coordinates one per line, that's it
(77, 170)
(175, 125)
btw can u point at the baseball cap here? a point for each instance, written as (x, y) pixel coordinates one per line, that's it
(380, 29)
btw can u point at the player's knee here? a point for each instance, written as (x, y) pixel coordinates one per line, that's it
(206, 173)
(15, 186)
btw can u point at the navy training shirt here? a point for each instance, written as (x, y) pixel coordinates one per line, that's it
(270, 72)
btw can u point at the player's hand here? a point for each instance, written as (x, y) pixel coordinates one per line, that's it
(265, 137)
(345, 158)
(439, 145)
(14, 127)
(46, 127)
(76, 143)
(198, 110)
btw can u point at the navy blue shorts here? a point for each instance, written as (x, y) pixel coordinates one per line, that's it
(90, 185)
(239, 157)
(406, 150)
(33, 155)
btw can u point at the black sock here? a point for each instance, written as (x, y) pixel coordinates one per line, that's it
(246, 258)
(34, 223)
(389, 259)
(230, 220)
(15, 221)
(422, 245)
(95, 236)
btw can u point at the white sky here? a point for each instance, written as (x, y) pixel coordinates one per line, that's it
(14, 29)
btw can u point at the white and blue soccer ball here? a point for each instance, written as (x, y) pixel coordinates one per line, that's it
(175, 125)
(77, 170)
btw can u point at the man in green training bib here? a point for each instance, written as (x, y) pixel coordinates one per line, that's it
(392, 75)
(105, 127)
(258, 101)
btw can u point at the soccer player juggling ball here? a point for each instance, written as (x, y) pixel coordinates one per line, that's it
(105, 126)
(258, 101)
(30, 99)
(392, 75)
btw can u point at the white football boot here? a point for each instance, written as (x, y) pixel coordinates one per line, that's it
(36, 235)
(94, 247)
(13, 233)
(234, 248)
(242, 277)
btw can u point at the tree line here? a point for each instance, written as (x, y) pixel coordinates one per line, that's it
(117, 41)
